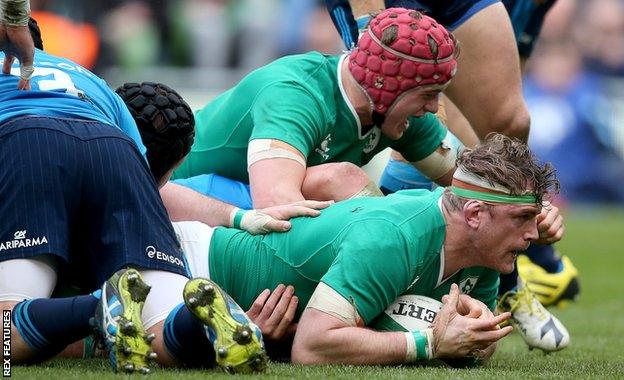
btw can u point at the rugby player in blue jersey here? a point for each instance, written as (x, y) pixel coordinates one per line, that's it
(80, 202)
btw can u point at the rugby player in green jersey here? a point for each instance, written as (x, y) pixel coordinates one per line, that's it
(300, 127)
(349, 264)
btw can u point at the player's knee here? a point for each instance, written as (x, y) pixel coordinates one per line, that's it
(336, 181)
(520, 124)
(515, 122)
(345, 174)
(301, 355)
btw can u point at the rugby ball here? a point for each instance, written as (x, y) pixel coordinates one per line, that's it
(408, 312)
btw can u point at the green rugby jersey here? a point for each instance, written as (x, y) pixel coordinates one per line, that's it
(298, 100)
(369, 250)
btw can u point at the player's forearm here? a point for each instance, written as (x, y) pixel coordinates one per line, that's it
(276, 195)
(365, 7)
(276, 182)
(349, 345)
(183, 204)
(22, 40)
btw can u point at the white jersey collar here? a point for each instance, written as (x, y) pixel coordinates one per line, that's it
(440, 279)
(348, 102)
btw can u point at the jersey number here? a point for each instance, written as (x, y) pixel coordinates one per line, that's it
(60, 81)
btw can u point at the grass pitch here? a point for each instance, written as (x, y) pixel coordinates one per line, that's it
(594, 241)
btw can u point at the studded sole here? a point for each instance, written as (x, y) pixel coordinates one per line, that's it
(237, 348)
(132, 345)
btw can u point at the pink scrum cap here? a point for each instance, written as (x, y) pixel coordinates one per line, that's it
(400, 50)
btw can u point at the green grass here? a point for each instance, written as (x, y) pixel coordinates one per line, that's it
(594, 241)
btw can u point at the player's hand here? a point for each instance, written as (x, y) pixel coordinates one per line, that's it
(293, 210)
(274, 312)
(470, 307)
(275, 219)
(456, 335)
(16, 41)
(549, 224)
(484, 354)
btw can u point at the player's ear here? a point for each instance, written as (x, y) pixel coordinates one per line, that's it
(471, 213)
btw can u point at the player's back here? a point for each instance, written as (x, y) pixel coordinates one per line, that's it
(64, 89)
(245, 265)
(226, 124)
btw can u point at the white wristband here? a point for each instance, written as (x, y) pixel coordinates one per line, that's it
(410, 348)
(419, 345)
(26, 72)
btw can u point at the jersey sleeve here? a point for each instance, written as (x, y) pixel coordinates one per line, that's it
(423, 137)
(371, 269)
(486, 289)
(289, 113)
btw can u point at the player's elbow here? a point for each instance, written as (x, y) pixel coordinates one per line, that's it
(309, 349)
(304, 354)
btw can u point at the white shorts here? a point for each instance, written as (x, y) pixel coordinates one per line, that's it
(24, 279)
(194, 237)
(166, 293)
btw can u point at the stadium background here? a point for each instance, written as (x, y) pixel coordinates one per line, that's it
(574, 87)
(574, 84)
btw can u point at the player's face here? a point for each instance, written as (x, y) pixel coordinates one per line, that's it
(507, 230)
(415, 102)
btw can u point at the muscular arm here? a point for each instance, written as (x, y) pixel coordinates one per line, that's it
(183, 203)
(439, 166)
(322, 338)
(277, 181)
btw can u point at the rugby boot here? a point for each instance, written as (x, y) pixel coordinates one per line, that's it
(537, 326)
(550, 288)
(237, 341)
(118, 322)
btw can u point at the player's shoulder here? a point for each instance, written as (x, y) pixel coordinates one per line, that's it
(53, 64)
(417, 201)
(421, 214)
(312, 57)
(375, 234)
(306, 70)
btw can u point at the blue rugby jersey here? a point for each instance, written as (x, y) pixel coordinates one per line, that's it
(62, 88)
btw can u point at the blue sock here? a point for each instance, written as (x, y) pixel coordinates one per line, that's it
(545, 257)
(185, 339)
(48, 325)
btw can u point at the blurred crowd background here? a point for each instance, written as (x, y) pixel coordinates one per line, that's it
(574, 84)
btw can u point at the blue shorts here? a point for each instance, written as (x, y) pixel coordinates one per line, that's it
(80, 190)
(221, 188)
(450, 13)
(527, 16)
